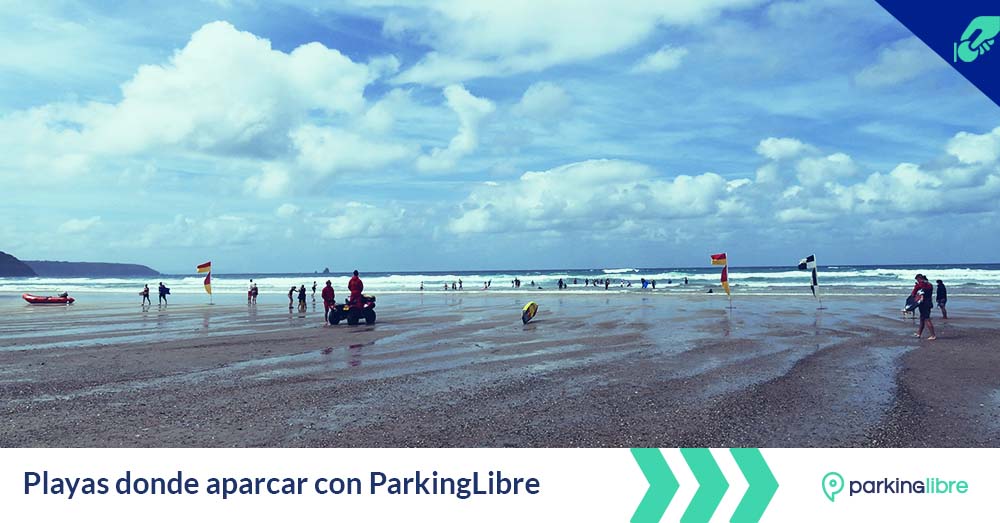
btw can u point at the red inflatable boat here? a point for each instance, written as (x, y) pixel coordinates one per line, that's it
(58, 300)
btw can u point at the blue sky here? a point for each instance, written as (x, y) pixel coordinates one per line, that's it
(399, 135)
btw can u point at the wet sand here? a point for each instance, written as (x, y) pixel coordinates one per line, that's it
(459, 370)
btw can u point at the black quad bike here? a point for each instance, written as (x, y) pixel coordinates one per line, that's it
(355, 312)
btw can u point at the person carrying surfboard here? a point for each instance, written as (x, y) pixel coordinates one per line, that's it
(922, 292)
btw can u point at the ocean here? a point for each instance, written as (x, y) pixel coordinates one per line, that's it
(964, 279)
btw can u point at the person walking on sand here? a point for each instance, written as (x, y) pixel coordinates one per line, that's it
(460, 284)
(290, 293)
(314, 291)
(356, 286)
(329, 300)
(942, 298)
(302, 298)
(164, 291)
(922, 292)
(145, 295)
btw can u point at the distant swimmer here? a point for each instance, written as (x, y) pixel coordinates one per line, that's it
(329, 300)
(145, 295)
(922, 292)
(942, 298)
(421, 286)
(685, 280)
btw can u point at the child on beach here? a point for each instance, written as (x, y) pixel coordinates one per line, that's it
(922, 291)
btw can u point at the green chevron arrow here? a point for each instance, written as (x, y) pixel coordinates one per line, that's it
(662, 485)
(712, 485)
(761, 485)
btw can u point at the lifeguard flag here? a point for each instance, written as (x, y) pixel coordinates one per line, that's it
(719, 259)
(725, 279)
(205, 267)
(208, 283)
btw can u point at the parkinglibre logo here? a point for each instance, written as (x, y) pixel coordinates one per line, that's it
(968, 49)
(833, 483)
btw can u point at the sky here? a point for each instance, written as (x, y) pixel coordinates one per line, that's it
(395, 135)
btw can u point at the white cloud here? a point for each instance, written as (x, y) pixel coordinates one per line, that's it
(900, 61)
(543, 100)
(185, 231)
(818, 170)
(781, 148)
(273, 181)
(471, 111)
(591, 195)
(78, 225)
(326, 150)
(975, 148)
(287, 210)
(475, 39)
(364, 221)
(666, 59)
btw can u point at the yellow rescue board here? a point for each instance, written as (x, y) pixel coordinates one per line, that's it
(528, 312)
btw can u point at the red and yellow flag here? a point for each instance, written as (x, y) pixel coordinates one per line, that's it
(208, 283)
(205, 267)
(720, 259)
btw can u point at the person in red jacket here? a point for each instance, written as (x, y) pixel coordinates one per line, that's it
(328, 300)
(355, 286)
(923, 292)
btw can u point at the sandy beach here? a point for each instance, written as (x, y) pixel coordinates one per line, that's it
(460, 370)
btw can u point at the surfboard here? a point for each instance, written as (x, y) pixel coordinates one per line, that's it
(529, 311)
(911, 303)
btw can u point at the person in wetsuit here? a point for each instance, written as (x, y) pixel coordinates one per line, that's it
(923, 292)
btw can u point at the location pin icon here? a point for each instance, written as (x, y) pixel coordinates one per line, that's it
(833, 483)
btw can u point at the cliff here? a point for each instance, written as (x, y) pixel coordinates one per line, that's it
(89, 269)
(13, 267)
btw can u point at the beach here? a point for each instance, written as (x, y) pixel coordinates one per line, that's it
(460, 370)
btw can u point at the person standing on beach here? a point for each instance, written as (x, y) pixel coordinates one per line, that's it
(314, 291)
(302, 298)
(607, 281)
(923, 291)
(356, 286)
(329, 300)
(290, 293)
(942, 298)
(145, 295)
(164, 291)
(250, 292)
(253, 293)
(653, 283)
(460, 284)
